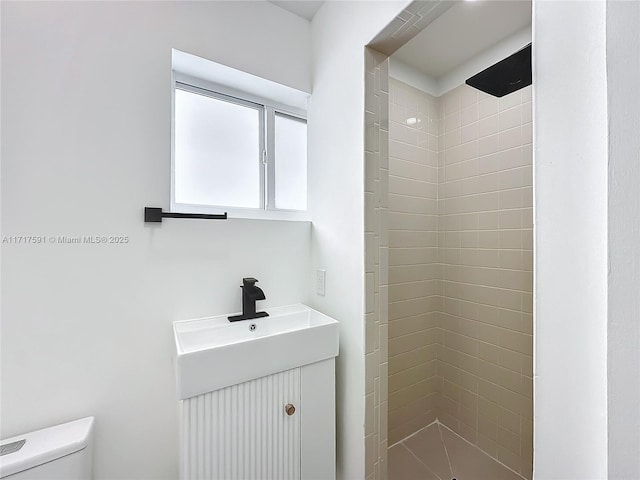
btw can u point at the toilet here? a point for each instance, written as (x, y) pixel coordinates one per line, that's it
(60, 452)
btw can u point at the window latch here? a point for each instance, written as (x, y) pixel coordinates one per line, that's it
(264, 157)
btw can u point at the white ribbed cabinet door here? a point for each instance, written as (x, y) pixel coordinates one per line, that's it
(243, 431)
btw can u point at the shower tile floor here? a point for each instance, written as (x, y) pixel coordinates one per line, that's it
(437, 453)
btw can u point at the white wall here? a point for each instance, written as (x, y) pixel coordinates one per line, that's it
(492, 55)
(86, 329)
(340, 30)
(623, 75)
(570, 189)
(412, 76)
(457, 76)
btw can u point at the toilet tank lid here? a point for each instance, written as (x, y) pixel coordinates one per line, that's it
(45, 445)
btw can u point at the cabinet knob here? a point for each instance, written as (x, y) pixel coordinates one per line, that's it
(290, 409)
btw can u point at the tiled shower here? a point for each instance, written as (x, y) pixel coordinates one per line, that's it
(460, 268)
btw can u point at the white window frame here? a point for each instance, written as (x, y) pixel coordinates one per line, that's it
(267, 167)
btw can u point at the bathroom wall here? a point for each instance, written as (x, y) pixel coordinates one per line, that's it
(340, 31)
(86, 329)
(571, 190)
(460, 268)
(485, 239)
(623, 335)
(587, 312)
(415, 339)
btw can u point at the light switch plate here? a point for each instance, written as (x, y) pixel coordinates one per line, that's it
(321, 281)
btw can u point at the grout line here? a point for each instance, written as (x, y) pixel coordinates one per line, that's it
(497, 172)
(462, 249)
(414, 433)
(404, 300)
(466, 318)
(445, 448)
(408, 421)
(449, 265)
(482, 303)
(465, 371)
(487, 381)
(412, 299)
(421, 462)
(428, 364)
(521, 166)
(413, 179)
(411, 334)
(524, 168)
(415, 264)
(421, 214)
(425, 361)
(424, 364)
(396, 175)
(483, 452)
(484, 285)
(487, 342)
(409, 196)
(429, 359)
(477, 303)
(471, 320)
(413, 162)
(417, 281)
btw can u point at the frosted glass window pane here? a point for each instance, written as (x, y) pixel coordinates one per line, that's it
(217, 152)
(290, 163)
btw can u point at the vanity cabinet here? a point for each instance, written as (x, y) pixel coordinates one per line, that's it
(280, 427)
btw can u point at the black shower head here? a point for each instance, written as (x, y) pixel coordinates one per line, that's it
(506, 76)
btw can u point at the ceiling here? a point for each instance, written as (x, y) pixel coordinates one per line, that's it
(303, 8)
(462, 32)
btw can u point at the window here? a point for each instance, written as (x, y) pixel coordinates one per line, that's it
(218, 146)
(290, 162)
(233, 152)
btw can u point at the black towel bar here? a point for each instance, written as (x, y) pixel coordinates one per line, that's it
(155, 215)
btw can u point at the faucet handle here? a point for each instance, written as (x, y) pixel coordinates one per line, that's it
(249, 281)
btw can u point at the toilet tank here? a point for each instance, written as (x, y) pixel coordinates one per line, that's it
(59, 452)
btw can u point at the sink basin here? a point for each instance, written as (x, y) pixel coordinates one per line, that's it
(213, 353)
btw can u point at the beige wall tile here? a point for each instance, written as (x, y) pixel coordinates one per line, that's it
(489, 144)
(527, 112)
(468, 150)
(410, 376)
(468, 96)
(509, 458)
(412, 358)
(409, 325)
(510, 118)
(510, 101)
(469, 114)
(488, 125)
(452, 102)
(511, 138)
(488, 106)
(451, 390)
(407, 343)
(488, 446)
(408, 273)
(460, 268)
(487, 427)
(469, 132)
(402, 430)
(416, 170)
(509, 421)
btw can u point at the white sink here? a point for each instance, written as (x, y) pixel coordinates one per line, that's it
(213, 353)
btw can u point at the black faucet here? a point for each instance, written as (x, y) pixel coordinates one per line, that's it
(250, 294)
